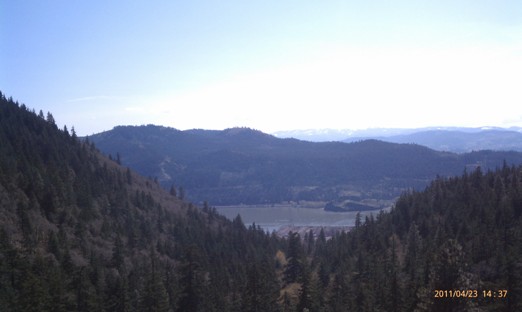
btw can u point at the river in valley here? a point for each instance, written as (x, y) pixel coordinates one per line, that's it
(274, 217)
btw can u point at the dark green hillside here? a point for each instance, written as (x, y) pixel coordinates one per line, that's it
(462, 233)
(456, 246)
(241, 165)
(78, 232)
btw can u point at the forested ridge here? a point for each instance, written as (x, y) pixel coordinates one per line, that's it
(245, 166)
(79, 232)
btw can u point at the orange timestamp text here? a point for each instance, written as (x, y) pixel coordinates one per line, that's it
(470, 293)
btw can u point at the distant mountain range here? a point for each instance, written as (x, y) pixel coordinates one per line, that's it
(451, 139)
(242, 165)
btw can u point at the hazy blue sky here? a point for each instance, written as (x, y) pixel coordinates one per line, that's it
(269, 65)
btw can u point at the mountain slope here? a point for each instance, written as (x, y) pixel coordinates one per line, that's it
(241, 165)
(78, 232)
(456, 246)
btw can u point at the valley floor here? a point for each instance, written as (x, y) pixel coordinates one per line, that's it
(283, 218)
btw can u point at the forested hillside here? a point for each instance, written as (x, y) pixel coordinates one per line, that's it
(78, 232)
(245, 166)
(461, 236)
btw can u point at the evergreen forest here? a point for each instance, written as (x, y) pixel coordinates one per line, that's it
(81, 232)
(240, 166)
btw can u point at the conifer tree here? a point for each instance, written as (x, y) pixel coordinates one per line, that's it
(191, 279)
(294, 268)
(118, 256)
(33, 295)
(118, 299)
(338, 299)
(309, 295)
(154, 297)
(86, 299)
(50, 119)
(260, 292)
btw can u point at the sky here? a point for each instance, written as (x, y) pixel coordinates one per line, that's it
(270, 65)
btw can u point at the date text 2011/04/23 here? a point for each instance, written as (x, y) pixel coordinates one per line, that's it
(470, 293)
